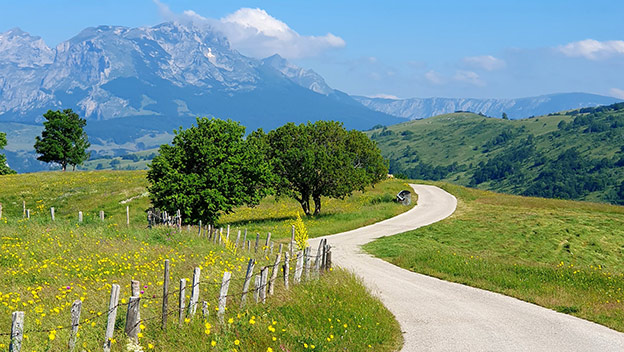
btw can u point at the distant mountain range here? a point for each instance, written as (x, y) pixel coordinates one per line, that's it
(419, 108)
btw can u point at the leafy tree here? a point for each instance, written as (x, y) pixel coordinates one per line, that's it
(4, 167)
(208, 170)
(63, 140)
(322, 159)
(505, 117)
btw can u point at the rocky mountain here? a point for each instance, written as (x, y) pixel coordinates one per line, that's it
(167, 72)
(418, 108)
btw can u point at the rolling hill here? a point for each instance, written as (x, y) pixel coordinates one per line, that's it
(572, 155)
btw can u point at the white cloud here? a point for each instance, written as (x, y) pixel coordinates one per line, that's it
(617, 93)
(593, 49)
(468, 77)
(385, 96)
(256, 33)
(434, 77)
(486, 62)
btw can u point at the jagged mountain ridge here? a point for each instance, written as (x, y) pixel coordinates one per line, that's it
(166, 71)
(418, 108)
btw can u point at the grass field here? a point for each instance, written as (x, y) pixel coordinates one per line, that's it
(46, 266)
(563, 255)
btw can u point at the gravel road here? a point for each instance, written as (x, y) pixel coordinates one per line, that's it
(437, 315)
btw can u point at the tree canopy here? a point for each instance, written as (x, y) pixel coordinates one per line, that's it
(321, 159)
(4, 167)
(63, 140)
(208, 170)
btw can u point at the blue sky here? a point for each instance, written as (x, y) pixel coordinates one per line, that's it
(395, 48)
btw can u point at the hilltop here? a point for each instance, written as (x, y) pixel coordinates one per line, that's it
(576, 154)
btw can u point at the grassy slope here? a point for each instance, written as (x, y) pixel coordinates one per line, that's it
(39, 260)
(563, 255)
(460, 138)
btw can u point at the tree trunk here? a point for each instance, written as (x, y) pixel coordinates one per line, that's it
(317, 205)
(305, 205)
(64, 166)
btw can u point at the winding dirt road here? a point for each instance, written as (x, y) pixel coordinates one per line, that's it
(437, 315)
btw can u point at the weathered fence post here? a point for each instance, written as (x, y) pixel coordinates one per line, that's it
(237, 239)
(281, 247)
(248, 275)
(257, 242)
(299, 267)
(181, 301)
(286, 269)
(75, 322)
(264, 275)
(101, 215)
(291, 245)
(199, 232)
(0, 211)
(328, 260)
(165, 302)
(112, 315)
(306, 262)
(205, 310)
(133, 318)
(278, 258)
(136, 292)
(194, 293)
(225, 284)
(79, 216)
(24, 208)
(127, 215)
(227, 236)
(52, 213)
(257, 282)
(17, 332)
(28, 214)
(319, 254)
(266, 244)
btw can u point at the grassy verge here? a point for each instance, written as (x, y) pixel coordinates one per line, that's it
(45, 266)
(563, 255)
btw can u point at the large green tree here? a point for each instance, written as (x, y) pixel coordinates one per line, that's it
(322, 159)
(63, 140)
(207, 171)
(4, 167)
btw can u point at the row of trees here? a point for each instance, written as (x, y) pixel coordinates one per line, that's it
(211, 168)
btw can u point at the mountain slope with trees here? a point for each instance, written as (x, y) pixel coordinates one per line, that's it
(577, 154)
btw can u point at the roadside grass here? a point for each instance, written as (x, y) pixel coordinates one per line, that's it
(45, 266)
(563, 255)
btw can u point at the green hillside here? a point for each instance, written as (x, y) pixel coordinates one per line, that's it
(571, 155)
(561, 254)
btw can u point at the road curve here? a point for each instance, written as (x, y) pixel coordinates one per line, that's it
(437, 315)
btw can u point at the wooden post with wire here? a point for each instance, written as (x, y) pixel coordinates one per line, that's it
(225, 284)
(112, 316)
(165, 302)
(248, 275)
(75, 322)
(17, 332)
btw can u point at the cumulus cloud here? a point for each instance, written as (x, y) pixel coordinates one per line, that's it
(617, 93)
(468, 77)
(486, 62)
(256, 33)
(593, 49)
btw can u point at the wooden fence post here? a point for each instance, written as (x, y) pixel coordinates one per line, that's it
(0, 211)
(278, 258)
(306, 262)
(257, 242)
(101, 215)
(165, 302)
(257, 282)
(299, 267)
(227, 236)
(266, 244)
(205, 310)
(17, 332)
(328, 262)
(28, 214)
(194, 293)
(281, 247)
(286, 269)
(237, 239)
(133, 318)
(181, 301)
(136, 292)
(127, 215)
(319, 253)
(24, 208)
(112, 315)
(75, 322)
(248, 275)
(79, 216)
(52, 213)
(225, 284)
(264, 275)
(199, 232)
